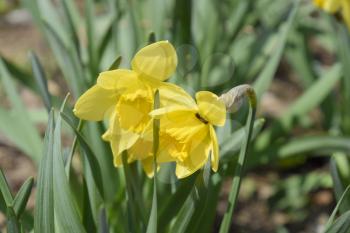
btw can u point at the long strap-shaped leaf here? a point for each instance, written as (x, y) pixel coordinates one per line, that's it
(341, 225)
(332, 217)
(236, 182)
(44, 212)
(40, 79)
(91, 158)
(263, 81)
(66, 211)
(23, 133)
(133, 224)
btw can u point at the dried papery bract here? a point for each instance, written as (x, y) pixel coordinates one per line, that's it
(233, 99)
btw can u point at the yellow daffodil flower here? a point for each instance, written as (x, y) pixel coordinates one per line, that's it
(334, 6)
(187, 133)
(125, 98)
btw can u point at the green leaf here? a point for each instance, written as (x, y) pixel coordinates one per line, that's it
(90, 30)
(116, 63)
(13, 225)
(325, 144)
(263, 82)
(199, 192)
(332, 217)
(184, 216)
(89, 154)
(232, 144)
(342, 41)
(40, 79)
(322, 145)
(341, 225)
(171, 206)
(151, 38)
(22, 75)
(66, 211)
(16, 124)
(44, 207)
(338, 183)
(237, 16)
(181, 21)
(69, 158)
(21, 198)
(68, 61)
(303, 105)
(314, 95)
(5, 190)
(298, 54)
(72, 15)
(133, 222)
(103, 221)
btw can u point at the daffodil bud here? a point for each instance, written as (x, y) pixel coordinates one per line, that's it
(233, 99)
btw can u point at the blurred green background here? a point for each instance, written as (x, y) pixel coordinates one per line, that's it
(296, 57)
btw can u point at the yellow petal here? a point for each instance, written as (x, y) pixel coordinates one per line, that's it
(346, 12)
(120, 139)
(173, 95)
(133, 110)
(319, 3)
(215, 150)
(197, 154)
(211, 108)
(94, 103)
(172, 112)
(118, 144)
(147, 165)
(157, 60)
(118, 80)
(141, 149)
(169, 149)
(170, 94)
(182, 171)
(179, 123)
(331, 6)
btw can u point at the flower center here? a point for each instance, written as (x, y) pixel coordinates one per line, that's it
(201, 118)
(133, 113)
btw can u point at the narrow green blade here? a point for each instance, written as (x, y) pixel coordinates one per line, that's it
(23, 132)
(66, 212)
(41, 80)
(44, 208)
(116, 63)
(13, 225)
(264, 80)
(198, 193)
(90, 156)
(341, 225)
(21, 198)
(5, 190)
(332, 217)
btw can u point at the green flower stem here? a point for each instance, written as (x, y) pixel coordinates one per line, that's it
(152, 222)
(232, 100)
(131, 206)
